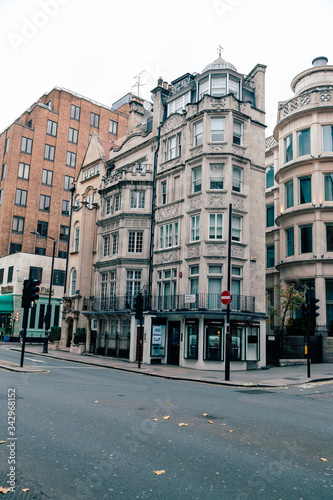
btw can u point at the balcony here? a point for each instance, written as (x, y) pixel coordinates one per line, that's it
(200, 302)
(131, 172)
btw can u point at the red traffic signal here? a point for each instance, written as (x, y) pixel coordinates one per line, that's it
(30, 293)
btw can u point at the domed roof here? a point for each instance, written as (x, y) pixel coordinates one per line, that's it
(219, 63)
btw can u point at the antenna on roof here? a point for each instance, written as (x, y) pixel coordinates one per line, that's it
(138, 83)
(220, 49)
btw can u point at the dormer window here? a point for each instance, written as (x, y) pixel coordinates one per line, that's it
(219, 85)
(179, 104)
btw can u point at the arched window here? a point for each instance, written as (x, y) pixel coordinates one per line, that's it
(73, 282)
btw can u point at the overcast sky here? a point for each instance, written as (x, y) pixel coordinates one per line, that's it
(96, 48)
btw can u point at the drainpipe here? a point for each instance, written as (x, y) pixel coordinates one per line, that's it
(72, 190)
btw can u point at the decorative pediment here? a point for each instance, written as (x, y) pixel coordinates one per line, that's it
(174, 121)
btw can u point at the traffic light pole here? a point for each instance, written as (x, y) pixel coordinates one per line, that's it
(228, 342)
(48, 310)
(24, 325)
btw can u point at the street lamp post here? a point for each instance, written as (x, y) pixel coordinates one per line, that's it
(47, 318)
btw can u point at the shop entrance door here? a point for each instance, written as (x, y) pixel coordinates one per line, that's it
(173, 342)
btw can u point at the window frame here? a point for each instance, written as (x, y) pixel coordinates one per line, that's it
(22, 194)
(22, 166)
(219, 132)
(198, 133)
(70, 159)
(215, 226)
(288, 148)
(237, 180)
(52, 128)
(75, 110)
(289, 191)
(49, 152)
(26, 145)
(270, 216)
(44, 203)
(73, 135)
(290, 241)
(302, 195)
(47, 177)
(94, 120)
(135, 242)
(218, 180)
(197, 179)
(304, 145)
(195, 228)
(305, 245)
(42, 228)
(18, 224)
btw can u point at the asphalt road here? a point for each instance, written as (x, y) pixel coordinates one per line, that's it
(89, 432)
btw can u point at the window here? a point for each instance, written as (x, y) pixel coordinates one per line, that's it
(234, 86)
(26, 145)
(47, 177)
(304, 146)
(42, 228)
(135, 239)
(270, 256)
(219, 86)
(203, 88)
(137, 199)
(236, 228)
(215, 226)
(75, 112)
(40, 251)
(3, 172)
(196, 180)
(290, 250)
(115, 243)
(72, 288)
(1, 276)
(305, 189)
(18, 224)
(133, 283)
(15, 248)
(217, 126)
(73, 135)
(64, 233)
(269, 215)
(23, 171)
(1, 196)
(35, 273)
(70, 159)
(327, 133)
(94, 120)
(179, 104)
(106, 245)
(194, 279)
(44, 203)
(213, 342)
(270, 176)
(117, 202)
(6, 146)
(21, 197)
(306, 238)
(328, 185)
(76, 239)
(113, 127)
(59, 277)
(236, 285)
(237, 136)
(52, 128)
(195, 228)
(288, 147)
(191, 338)
(108, 206)
(68, 182)
(290, 194)
(65, 210)
(216, 176)
(168, 235)
(164, 192)
(329, 237)
(10, 274)
(198, 129)
(237, 179)
(49, 152)
(62, 254)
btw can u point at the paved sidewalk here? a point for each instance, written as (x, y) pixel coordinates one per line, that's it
(272, 377)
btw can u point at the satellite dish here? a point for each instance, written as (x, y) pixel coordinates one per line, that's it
(146, 105)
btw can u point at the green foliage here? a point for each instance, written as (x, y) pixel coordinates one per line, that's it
(55, 333)
(291, 299)
(80, 335)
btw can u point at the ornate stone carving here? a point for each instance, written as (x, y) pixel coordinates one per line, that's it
(238, 151)
(237, 252)
(238, 203)
(169, 212)
(216, 201)
(214, 104)
(215, 250)
(128, 222)
(214, 148)
(166, 257)
(173, 122)
(196, 151)
(193, 251)
(195, 203)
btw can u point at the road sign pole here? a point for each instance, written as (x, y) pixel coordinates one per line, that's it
(227, 326)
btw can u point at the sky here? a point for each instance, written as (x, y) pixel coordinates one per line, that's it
(98, 48)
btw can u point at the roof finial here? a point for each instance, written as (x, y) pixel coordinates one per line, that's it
(219, 50)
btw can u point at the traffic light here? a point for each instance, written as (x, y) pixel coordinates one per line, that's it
(138, 306)
(313, 308)
(30, 292)
(306, 307)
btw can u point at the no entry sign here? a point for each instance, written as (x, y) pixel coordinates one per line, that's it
(225, 297)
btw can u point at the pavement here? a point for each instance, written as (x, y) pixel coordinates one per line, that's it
(268, 377)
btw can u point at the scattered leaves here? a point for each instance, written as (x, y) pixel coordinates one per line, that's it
(3, 490)
(155, 419)
(210, 421)
(166, 418)
(25, 489)
(2, 442)
(158, 472)
(324, 459)
(182, 424)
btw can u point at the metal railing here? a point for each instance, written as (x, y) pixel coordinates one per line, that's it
(177, 303)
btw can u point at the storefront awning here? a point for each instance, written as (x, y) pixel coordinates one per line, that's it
(6, 303)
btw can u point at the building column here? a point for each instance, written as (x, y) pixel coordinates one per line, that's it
(321, 320)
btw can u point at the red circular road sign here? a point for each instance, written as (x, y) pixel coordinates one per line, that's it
(225, 297)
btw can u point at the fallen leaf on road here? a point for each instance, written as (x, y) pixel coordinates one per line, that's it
(324, 459)
(3, 490)
(2, 442)
(96, 401)
(25, 489)
(158, 472)
(154, 418)
(205, 414)
(210, 421)
(182, 424)
(169, 404)
(231, 431)
(166, 418)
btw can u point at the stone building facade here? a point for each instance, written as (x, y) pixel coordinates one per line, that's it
(198, 151)
(299, 195)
